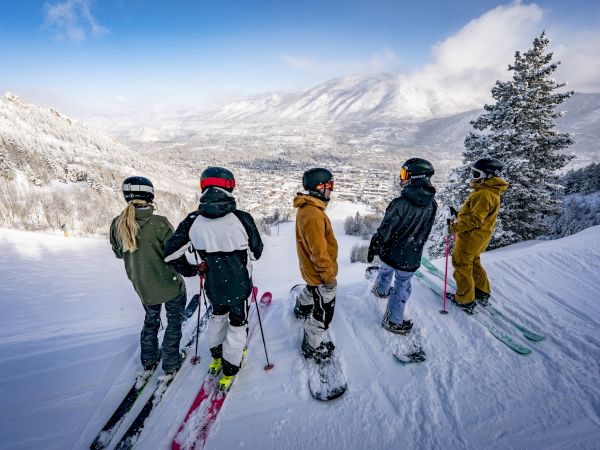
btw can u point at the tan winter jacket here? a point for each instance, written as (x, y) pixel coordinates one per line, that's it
(315, 242)
(477, 216)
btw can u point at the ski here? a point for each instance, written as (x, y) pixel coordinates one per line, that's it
(326, 380)
(114, 422)
(132, 434)
(209, 400)
(498, 334)
(109, 430)
(491, 310)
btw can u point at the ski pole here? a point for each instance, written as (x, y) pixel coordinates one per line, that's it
(443, 311)
(196, 358)
(269, 366)
(201, 272)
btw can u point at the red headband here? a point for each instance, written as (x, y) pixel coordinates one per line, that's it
(218, 182)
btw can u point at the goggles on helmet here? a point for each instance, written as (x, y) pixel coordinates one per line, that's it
(324, 186)
(477, 174)
(404, 176)
(218, 182)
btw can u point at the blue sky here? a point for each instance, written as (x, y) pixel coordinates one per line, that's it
(90, 57)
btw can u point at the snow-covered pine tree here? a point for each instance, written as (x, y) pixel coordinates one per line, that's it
(519, 131)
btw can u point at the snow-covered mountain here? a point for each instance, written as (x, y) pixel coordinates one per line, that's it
(359, 107)
(55, 170)
(69, 350)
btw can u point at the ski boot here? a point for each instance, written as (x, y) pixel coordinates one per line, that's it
(225, 382)
(215, 366)
(468, 308)
(483, 298)
(173, 370)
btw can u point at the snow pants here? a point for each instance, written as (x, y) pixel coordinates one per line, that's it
(399, 295)
(227, 332)
(323, 300)
(170, 345)
(468, 272)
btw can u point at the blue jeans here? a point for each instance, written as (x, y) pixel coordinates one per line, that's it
(399, 295)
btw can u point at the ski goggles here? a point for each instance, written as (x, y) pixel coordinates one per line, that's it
(324, 186)
(218, 182)
(404, 176)
(477, 174)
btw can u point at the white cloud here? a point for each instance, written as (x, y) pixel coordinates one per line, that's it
(464, 67)
(72, 20)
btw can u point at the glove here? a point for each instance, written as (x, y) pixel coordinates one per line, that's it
(370, 256)
(453, 214)
(331, 284)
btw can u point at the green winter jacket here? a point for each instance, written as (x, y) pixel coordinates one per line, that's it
(154, 280)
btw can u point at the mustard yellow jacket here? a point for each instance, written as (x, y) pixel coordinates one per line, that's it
(315, 242)
(477, 216)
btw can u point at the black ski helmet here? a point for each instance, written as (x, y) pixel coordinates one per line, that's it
(138, 188)
(489, 166)
(217, 177)
(416, 168)
(313, 178)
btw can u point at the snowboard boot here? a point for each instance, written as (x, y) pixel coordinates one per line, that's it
(302, 311)
(215, 366)
(468, 308)
(397, 328)
(483, 298)
(377, 294)
(320, 354)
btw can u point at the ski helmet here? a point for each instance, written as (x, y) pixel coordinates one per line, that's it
(415, 168)
(138, 188)
(316, 180)
(217, 177)
(486, 168)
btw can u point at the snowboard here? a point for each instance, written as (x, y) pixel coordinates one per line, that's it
(326, 380)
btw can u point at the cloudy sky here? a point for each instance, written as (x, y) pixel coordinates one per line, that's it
(100, 57)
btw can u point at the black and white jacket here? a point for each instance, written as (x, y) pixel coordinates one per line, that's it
(226, 239)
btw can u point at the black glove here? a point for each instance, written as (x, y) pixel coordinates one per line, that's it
(370, 256)
(453, 212)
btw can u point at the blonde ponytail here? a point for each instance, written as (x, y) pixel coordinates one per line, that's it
(127, 227)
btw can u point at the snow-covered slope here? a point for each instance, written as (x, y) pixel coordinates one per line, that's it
(69, 349)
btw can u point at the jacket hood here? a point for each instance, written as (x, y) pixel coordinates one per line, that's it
(304, 199)
(420, 193)
(496, 184)
(216, 203)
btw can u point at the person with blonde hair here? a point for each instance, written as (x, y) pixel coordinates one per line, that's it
(137, 237)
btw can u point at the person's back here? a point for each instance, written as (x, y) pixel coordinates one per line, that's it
(400, 239)
(406, 226)
(138, 237)
(226, 240)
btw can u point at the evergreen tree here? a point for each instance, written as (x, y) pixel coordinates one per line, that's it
(519, 131)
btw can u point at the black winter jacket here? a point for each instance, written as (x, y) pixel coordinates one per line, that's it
(223, 237)
(408, 220)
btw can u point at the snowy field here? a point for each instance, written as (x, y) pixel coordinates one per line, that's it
(69, 350)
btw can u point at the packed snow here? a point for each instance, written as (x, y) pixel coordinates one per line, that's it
(69, 352)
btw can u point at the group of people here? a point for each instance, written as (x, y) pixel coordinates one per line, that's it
(219, 242)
